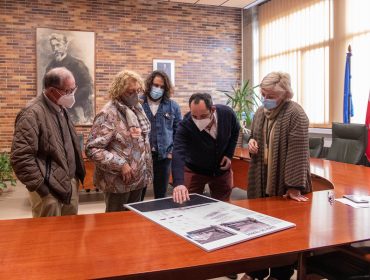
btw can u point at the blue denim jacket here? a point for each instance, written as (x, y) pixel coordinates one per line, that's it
(167, 119)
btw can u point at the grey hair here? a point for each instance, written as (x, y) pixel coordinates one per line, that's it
(59, 37)
(278, 81)
(56, 76)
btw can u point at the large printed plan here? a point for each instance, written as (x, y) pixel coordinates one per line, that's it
(208, 223)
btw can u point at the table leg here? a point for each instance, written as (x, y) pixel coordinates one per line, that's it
(301, 269)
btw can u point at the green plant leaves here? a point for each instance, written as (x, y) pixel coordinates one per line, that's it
(6, 171)
(244, 101)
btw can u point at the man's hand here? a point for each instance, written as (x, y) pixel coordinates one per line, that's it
(180, 194)
(225, 163)
(295, 195)
(127, 173)
(253, 146)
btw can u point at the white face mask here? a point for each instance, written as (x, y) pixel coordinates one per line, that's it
(67, 101)
(201, 124)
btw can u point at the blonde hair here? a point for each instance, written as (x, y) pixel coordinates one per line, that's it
(278, 82)
(122, 81)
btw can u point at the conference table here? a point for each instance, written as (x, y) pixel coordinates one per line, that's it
(125, 245)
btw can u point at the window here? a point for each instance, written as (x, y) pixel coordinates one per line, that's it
(295, 38)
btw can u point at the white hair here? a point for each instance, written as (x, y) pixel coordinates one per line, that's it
(278, 82)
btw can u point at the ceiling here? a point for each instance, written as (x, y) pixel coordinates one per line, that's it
(223, 3)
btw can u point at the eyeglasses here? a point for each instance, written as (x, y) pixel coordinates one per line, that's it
(138, 91)
(67, 91)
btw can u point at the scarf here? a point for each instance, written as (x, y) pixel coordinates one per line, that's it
(269, 135)
(135, 117)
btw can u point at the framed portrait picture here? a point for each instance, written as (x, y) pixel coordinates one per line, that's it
(74, 50)
(167, 66)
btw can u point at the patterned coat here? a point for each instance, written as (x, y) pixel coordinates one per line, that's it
(111, 144)
(290, 162)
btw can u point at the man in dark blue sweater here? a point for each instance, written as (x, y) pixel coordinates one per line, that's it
(204, 145)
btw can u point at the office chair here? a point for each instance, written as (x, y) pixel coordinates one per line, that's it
(349, 143)
(316, 145)
(346, 262)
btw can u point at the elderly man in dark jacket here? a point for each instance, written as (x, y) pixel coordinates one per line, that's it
(204, 144)
(46, 154)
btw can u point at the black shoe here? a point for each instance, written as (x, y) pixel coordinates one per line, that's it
(232, 276)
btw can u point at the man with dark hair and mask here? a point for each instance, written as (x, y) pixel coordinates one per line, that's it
(82, 111)
(45, 153)
(204, 144)
(164, 115)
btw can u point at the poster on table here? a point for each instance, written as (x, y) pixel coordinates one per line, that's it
(208, 223)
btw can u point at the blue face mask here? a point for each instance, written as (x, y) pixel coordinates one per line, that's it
(156, 92)
(270, 104)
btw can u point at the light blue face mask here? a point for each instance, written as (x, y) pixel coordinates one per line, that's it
(270, 104)
(156, 92)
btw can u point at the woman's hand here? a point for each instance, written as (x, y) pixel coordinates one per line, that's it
(295, 195)
(253, 146)
(180, 194)
(127, 173)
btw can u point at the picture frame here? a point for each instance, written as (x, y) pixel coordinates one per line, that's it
(167, 66)
(74, 50)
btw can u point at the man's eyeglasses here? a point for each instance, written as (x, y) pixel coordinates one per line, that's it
(66, 91)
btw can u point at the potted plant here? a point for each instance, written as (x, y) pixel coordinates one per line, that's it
(6, 172)
(244, 101)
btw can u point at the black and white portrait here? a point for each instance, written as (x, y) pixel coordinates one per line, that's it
(74, 50)
(167, 66)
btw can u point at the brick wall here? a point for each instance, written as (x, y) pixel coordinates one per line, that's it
(205, 42)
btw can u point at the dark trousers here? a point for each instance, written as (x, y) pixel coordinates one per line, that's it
(114, 201)
(220, 186)
(161, 176)
(281, 273)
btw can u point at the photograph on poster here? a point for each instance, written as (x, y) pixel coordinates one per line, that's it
(209, 234)
(248, 226)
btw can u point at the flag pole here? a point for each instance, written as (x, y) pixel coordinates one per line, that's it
(347, 98)
(349, 82)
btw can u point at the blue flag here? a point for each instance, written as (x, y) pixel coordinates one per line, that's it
(347, 100)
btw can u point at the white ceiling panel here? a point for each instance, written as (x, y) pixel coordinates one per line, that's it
(223, 3)
(211, 2)
(237, 3)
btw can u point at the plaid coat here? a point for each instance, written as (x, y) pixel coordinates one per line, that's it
(290, 162)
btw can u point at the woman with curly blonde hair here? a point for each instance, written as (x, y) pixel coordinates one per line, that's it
(119, 144)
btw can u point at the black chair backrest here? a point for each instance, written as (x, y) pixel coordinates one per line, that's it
(349, 143)
(316, 145)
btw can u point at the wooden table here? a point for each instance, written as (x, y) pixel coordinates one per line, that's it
(240, 167)
(126, 244)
